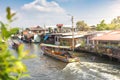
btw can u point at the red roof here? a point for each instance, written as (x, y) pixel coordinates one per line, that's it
(25, 32)
(59, 25)
(111, 36)
(36, 28)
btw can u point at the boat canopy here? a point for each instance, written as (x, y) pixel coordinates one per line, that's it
(55, 46)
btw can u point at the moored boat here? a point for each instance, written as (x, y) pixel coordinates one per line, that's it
(16, 44)
(57, 53)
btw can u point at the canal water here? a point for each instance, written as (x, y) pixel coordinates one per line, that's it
(90, 67)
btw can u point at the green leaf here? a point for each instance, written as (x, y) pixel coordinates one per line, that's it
(3, 30)
(11, 66)
(5, 34)
(20, 50)
(13, 30)
(8, 16)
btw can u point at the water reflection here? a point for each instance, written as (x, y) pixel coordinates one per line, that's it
(42, 67)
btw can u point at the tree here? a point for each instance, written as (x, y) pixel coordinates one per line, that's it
(50, 29)
(82, 26)
(111, 26)
(116, 22)
(11, 66)
(102, 26)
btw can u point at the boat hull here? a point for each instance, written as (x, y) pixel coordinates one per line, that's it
(61, 58)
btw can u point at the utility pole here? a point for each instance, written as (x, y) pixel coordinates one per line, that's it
(72, 33)
(72, 20)
(45, 29)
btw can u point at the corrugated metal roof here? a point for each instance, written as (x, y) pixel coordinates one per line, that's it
(111, 36)
(76, 36)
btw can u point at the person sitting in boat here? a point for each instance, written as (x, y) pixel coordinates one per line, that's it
(67, 54)
(45, 48)
(52, 51)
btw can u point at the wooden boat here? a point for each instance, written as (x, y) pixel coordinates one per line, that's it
(15, 44)
(65, 56)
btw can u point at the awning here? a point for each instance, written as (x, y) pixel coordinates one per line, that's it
(75, 36)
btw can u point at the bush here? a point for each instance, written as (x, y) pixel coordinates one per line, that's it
(11, 66)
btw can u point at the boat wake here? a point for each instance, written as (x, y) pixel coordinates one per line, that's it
(91, 71)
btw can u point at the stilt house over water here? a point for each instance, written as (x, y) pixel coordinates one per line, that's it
(108, 44)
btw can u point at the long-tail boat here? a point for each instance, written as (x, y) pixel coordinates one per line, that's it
(56, 52)
(15, 44)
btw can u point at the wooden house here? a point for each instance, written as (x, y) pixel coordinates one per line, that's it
(38, 29)
(68, 41)
(108, 44)
(63, 39)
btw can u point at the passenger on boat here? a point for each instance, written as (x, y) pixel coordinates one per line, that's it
(67, 54)
(52, 51)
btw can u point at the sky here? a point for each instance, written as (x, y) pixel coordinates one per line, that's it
(51, 12)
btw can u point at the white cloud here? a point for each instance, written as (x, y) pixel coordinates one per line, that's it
(66, 0)
(13, 11)
(44, 6)
(34, 19)
(115, 8)
(40, 12)
(63, 0)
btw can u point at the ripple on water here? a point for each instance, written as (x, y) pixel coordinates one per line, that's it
(86, 71)
(47, 68)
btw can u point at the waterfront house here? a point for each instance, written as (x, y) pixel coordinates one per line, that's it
(63, 39)
(60, 28)
(111, 38)
(86, 43)
(38, 29)
(108, 44)
(68, 40)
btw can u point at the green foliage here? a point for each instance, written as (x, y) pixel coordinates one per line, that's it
(116, 20)
(83, 43)
(14, 30)
(115, 24)
(11, 66)
(50, 29)
(112, 26)
(5, 33)
(82, 26)
(102, 26)
(10, 15)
